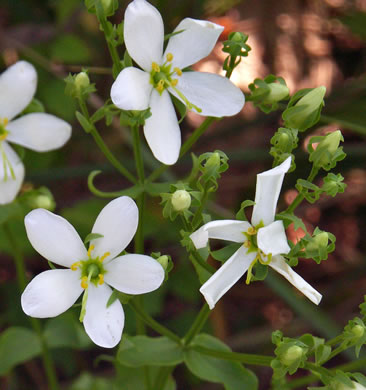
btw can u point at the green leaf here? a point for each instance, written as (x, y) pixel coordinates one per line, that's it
(17, 345)
(83, 122)
(92, 236)
(87, 381)
(291, 218)
(225, 253)
(231, 374)
(322, 353)
(143, 350)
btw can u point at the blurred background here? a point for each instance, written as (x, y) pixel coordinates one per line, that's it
(307, 42)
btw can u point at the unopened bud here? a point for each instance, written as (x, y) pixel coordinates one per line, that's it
(312, 100)
(358, 331)
(277, 92)
(236, 36)
(342, 386)
(82, 80)
(106, 5)
(44, 202)
(293, 354)
(181, 200)
(163, 261)
(214, 160)
(321, 239)
(329, 145)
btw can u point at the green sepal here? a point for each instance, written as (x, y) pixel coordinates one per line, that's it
(85, 124)
(92, 236)
(134, 118)
(309, 190)
(333, 184)
(34, 106)
(240, 215)
(225, 253)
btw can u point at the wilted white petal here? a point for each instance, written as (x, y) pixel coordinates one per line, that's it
(279, 264)
(272, 239)
(39, 131)
(161, 130)
(104, 325)
(213, 94)
(117, 222)
(54, 238)
(18, 85)
(10, 187)
(144, 33)
(132, 89)
(228, 274)
(134, 274)
(268, 189)
(229, 230)
(195, 42)
(51, 293)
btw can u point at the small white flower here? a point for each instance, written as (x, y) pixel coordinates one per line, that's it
(134, 89)
(264, 240)
(37, 131)
(92, 272)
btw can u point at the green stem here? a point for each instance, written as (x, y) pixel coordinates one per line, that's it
(300, 197)
(255, 360)
(324, 372)
(36, 324)
(198, 215)
(162, 377)
(335, 340)
(152, 323)
(103, 147)
(138, 156)
(197, 325)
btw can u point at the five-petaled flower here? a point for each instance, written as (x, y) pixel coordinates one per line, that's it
(263, 241)
(90, 271)
(37, 131)
(134, 89)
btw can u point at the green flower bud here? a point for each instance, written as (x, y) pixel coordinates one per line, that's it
(44, 202)
(213, 160)
(106, 5)
(236, 36)
(163, 261)
(312, 100)
(328, 146)
(181, 200)
(293, 354)
(277, 92)
(322, 239)
(358, 331)
(82, 80)
(342, 386)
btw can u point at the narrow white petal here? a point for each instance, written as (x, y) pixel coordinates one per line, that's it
(18, 85)
(268, 189)
(228, 274)
(134, 274)
(195, 42)
(117, 222)
(213, 94)
(272, 239)
(162, 130)
(132, 89)
(51, 293)
(54, 238)
(104, 325)
(279, 264)
(39, 131)
(229, 230)
(144, 33)
(9, 187)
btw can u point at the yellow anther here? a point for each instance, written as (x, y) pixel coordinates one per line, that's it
(104, 256)
(84, 282)
(160, 86)
(169, 57)
(101, 279)
(178, 71)
(5, 122)
(3, 137)
(155, 67)
(75, 266)
(252, 231)
(91, 248)
(174, 82)
(247, 244)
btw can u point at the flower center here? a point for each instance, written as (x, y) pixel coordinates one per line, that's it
(5, 161)
(92, 270)
(252, 246)
(161, 77)
(3, 132)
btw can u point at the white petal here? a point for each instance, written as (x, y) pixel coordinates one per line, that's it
(279, 264)
(10, 187)
(213, 94)
(132, 89)
(268, 189)
(162, 130)
(18, 85)
(54, 238)
(194, 43)
(144, 33)
(229, 230)
(39, 131)
(134, 274)
(104, 325)
(228, 274)
(272, 239)
(117, 222)
(51, 293)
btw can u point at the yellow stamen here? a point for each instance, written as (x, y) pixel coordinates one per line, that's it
(91, 248)
(174, 82)
(104, 256)
(5, 122)
(160, 86)
(169, 57)
(249, 273)
(155, 67)
(101, 279)
(84, 282)
(3, 137)
(252, 231)
(247, 244)
(75, 266)
(178, 71)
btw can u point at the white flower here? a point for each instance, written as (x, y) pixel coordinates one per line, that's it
(135, 89)
(37, 131)
(263, 241)
(92, 272)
